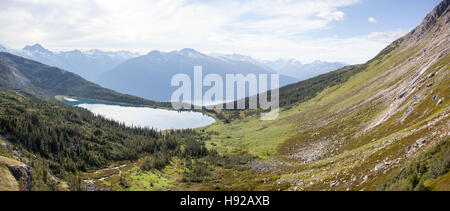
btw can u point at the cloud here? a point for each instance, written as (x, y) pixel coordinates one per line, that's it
(353, 50)
(260, 28)
(372, 20)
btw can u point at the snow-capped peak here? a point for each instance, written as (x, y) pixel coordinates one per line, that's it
(234, 57)
(3, 49)
(189, 52)
(36, 48)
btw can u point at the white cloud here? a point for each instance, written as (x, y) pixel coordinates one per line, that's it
(261, 28)
(352, 50)
(372, 20)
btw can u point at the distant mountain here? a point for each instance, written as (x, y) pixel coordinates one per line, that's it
(302, 71)
(149, 76)
(36, 48)
(292, 67)
(88, 64)
(35, 79)
(3, 49)
(241, 58)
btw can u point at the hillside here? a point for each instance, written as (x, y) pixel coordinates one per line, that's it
(33, 78)
(382, 125)
(47, 145)
(357, 134)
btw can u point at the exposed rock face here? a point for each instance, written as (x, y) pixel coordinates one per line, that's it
(23, 174)
(431, 19)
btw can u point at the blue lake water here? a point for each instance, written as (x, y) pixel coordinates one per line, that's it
(145, 117)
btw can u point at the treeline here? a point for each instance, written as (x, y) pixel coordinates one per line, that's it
(45, 81)
(193, 148)
(74, 139)
(69, 139)
(199, 160)
(294, 94)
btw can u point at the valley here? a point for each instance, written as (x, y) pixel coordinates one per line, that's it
(381, 125)
(360, 134)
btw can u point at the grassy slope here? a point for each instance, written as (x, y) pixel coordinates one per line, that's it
(261, 138)
(357, 123)
(293, 129)
(354, 126)
(7, 180)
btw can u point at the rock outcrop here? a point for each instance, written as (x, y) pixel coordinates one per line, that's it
(21, 172)
(432, 18)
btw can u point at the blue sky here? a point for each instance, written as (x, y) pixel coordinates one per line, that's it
(391, 15)
(351, 31)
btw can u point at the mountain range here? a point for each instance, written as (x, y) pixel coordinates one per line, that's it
(302, 71)
(35, 79)
(109, 68)
(88, 64)
(149, 76)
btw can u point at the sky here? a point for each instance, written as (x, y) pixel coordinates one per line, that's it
(351, 31)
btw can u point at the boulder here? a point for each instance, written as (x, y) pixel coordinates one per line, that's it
(334, 184)
(408, 149)
(379, 166)
(421, 142)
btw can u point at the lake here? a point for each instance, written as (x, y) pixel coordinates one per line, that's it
(143, 116)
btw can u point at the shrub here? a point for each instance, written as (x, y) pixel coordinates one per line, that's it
(430, 165)
(123, 182)
(198, 172)
(195, 149)
(157, 161)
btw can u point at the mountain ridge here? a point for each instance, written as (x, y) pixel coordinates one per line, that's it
(302, 71)
(89, 64)
(384, 128)
(34, 78)
(134, 76)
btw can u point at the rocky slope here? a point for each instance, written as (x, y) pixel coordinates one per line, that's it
(360, 134)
